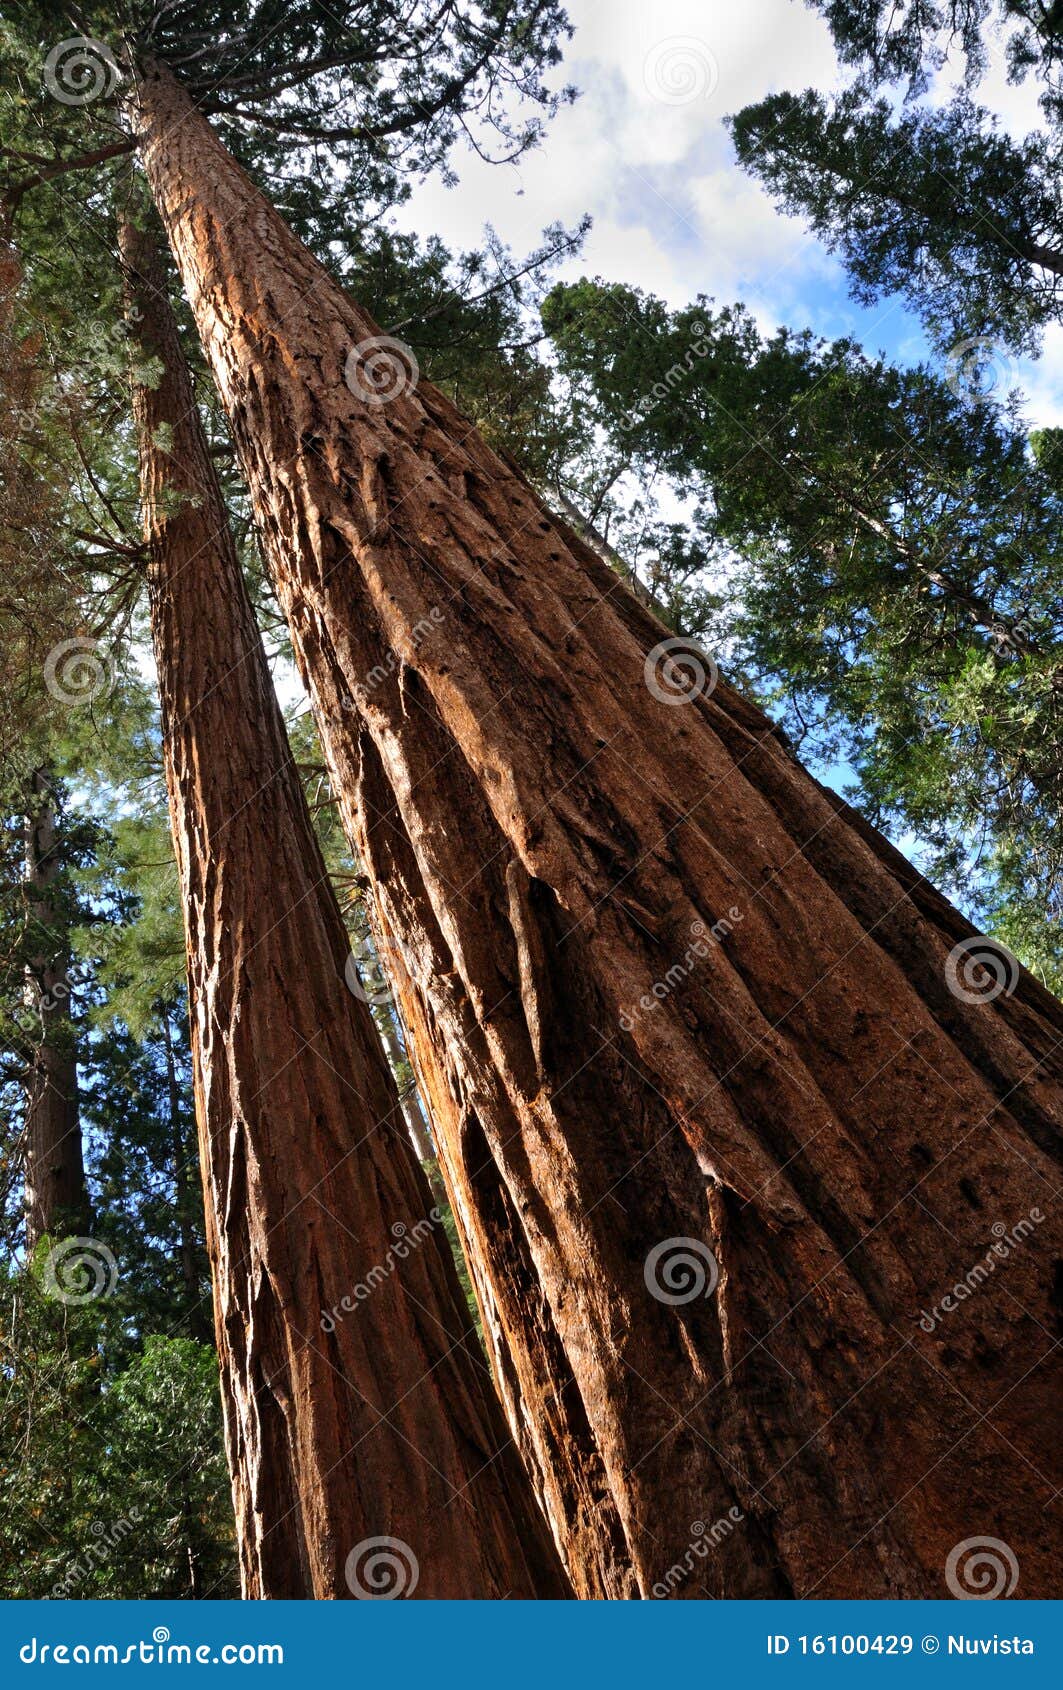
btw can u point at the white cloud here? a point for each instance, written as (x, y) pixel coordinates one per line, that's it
(645, 151)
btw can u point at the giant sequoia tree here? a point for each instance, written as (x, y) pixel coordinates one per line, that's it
(36, 908)
(377, 1421)
(671, 1002)
(682, 998)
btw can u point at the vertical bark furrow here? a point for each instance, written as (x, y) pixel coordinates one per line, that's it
(542, 1398)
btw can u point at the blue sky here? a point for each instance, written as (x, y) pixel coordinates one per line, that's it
(645, 151)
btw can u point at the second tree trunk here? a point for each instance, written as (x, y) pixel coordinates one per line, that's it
(367, 1452)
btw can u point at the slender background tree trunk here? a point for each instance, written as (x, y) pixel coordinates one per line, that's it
(689, 1009)
(56, 1195)
(183, 1157)
(357, 1406)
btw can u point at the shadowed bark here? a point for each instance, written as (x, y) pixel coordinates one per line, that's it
(56, 1200)
(685, 1006)
(185, 1202)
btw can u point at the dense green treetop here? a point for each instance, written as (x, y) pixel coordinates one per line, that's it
(937, 203)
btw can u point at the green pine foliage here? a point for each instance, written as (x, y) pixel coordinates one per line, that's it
(112, 1481)
(878, 556)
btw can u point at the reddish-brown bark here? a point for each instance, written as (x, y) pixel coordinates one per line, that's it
(380, 1422)
(56, 1199)
(532, 1372)
(809, 1100)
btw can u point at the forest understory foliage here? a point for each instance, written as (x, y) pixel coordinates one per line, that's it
(497, 1123)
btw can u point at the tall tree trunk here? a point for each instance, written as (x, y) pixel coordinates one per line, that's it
(416, 1124)
(198, 1324)
(357, 1407)
(56, 1199)
(684, 1001)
